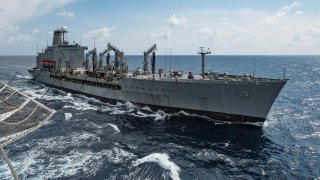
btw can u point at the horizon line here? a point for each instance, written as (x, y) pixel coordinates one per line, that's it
(199, 55)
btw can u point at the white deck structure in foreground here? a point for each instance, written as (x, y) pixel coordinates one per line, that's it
(19, 114)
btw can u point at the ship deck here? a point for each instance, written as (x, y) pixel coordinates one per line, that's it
(208, 77)
(113, 79)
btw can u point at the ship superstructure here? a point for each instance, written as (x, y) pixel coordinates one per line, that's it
(234, 98)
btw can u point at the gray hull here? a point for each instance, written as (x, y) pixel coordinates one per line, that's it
(240, 101)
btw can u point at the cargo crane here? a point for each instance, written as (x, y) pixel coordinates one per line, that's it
(145, 62)
(93, 52)
(107, 58)
(119, 65)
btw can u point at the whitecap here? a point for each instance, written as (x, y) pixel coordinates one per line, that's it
(211, 155)
(183, 113)
(117, 155)
(119, 103)
(81, 104)
(23, 77)
(146, 108)
(159, 115)
(118, 111)
(141, 114)
(306, 100)
(42, 93)
(57, 166)
(68, 116)
(115, 127)
(162, 160)
(33, 93)
(130, 105)
(313, 135)
(72, 140)
(315, 123)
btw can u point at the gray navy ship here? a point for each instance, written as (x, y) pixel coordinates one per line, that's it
(220, 96)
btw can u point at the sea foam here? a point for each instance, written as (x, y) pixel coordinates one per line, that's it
(162, 160)
(115, 127)
(68, 116)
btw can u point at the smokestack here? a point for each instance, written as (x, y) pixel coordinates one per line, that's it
(57, 38)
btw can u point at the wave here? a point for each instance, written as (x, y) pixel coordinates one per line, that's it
(61, 142)
(81, 105)
(313, 135)
(52, 94)
(68, 116)
(158, 115)
(63, 157)
(274, 117)
(115, 127)
(76, 162)
(211, 155)
(311, 99)
(118, 155)
(85, 103)
(127, 108)
(23, 76)
(162, 160)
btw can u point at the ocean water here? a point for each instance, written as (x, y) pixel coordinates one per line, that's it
(90, 139)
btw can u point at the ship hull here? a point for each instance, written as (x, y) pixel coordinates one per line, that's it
(231, 101)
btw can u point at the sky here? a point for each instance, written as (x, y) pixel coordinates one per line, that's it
(229, 27)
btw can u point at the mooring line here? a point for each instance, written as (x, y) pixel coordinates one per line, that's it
(13, 172)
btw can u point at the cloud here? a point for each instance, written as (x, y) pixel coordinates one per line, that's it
(297, 13)
(311, 36)
(12, 10)
(35, 31)
(247, 12)
(228, 28)
(178, 21)
(16, 11)
(224, 32)
(206, 34)
(280, 13)
(20, 37)
(99, 34)
(159, 34)
(228, 31)
(14, 28)
(66, 13)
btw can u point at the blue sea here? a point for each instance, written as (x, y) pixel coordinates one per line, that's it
(91, 139)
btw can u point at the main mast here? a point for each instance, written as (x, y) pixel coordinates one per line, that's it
(203, 52)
